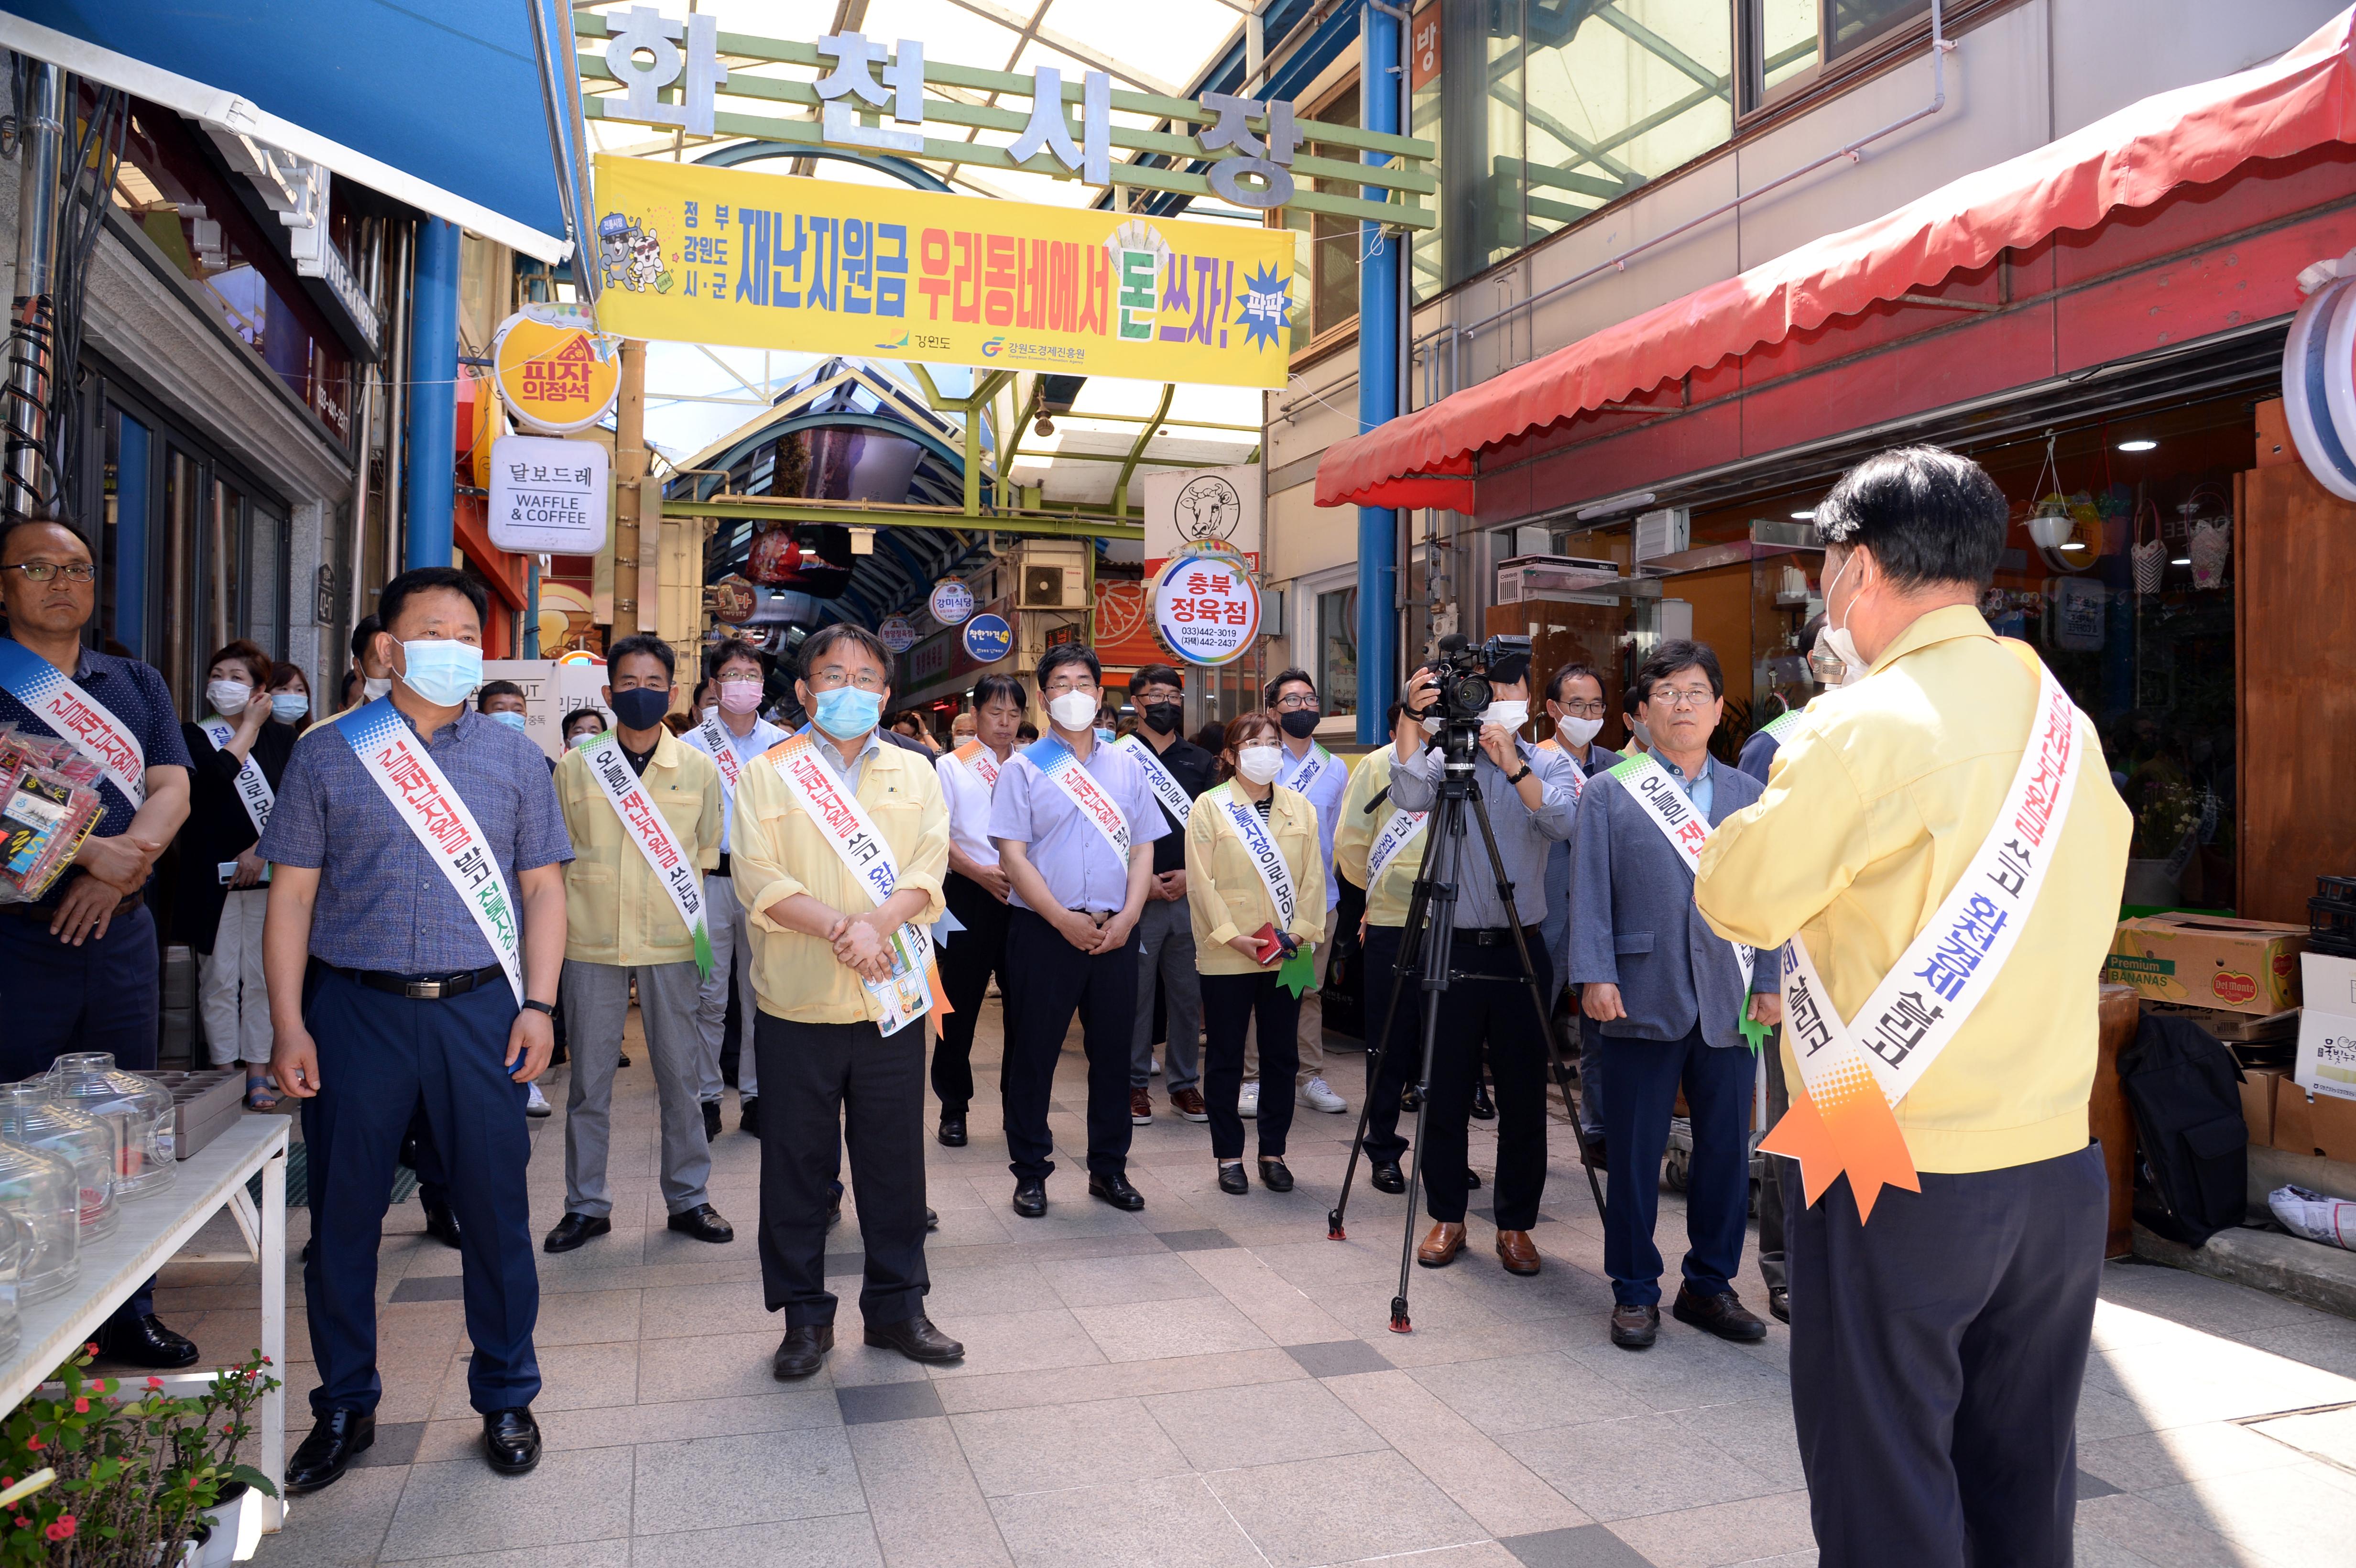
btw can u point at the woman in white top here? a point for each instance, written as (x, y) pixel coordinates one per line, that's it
(976, 890)
(1253, 865)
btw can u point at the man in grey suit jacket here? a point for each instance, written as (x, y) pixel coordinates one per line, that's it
(1667, 996)
(1574, 703)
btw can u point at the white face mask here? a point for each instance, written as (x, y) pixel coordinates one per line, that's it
(1073, 711)
(711, 710)
(1259, 763)
(375, 686)
(1577, 731)
(228, 697)
(1511, 714)
(1644, 734)
(1432, 724)
(1838, 640)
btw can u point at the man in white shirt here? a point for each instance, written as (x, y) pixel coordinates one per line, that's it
(976, 889)
(734, 738)
(1311, 770)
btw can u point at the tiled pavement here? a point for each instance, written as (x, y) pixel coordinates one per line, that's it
(1212, 1383)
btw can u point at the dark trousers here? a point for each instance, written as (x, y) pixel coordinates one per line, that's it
(418, 1153)
(1936, 1358)
(1644, 1075)
(1398, 1066)
(1487, 1004)
(379, 1058)
(1230, 1002)
(1047, 981)
(967, 959)
(102, 996)
(822, 1086)
(1770, 1184)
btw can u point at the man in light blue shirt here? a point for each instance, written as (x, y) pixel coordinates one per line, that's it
(1322, 778)
(734, 738)
(1073, 820)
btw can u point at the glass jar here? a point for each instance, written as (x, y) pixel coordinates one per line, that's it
(32, 1115)
(40, 1192)
(139, 1109)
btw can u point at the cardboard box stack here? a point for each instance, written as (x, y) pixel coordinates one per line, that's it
(2208, 961)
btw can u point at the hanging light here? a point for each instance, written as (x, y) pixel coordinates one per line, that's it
(2138, 444)
(1807, 517)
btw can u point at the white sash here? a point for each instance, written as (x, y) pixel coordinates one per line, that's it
(1669, 807)
(975, 757)
(253, 791)
(1054, 758)
(853, 834)
(723, 753)
(1315, 764)
(1274, 875)
(1165, 789)
(643, 822)
(1952, 962)
(1577, 775)
(1402, 829)
(75, 717)
(391, 754)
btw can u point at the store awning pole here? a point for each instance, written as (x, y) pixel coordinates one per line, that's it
(434, 396)
(1383, 35)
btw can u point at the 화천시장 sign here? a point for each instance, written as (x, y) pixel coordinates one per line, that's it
(762, 261)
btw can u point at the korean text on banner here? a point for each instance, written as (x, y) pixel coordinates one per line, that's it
(763, 260)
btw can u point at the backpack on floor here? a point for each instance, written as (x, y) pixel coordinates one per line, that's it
(2183, 1089)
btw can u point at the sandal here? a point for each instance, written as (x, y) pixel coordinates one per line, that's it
(261, 1094)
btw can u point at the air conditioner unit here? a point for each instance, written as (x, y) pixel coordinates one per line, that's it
(1525, 577)
(1666, 531)
(1049, 588)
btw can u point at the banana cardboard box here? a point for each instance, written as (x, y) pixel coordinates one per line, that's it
(2209, 961)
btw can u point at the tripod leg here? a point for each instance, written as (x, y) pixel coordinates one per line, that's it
(1410, 945)
(1446, 839)
(1400, 1322)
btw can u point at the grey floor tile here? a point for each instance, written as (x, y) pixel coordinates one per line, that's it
(569, 1554)
(1148, 1330)
(1114, 1282)
(1721, 1533)
(1261, 1423)
(2091, 1486)
(1102, 1443)
(1325, 1510)
(432, 1287)
(1175, 1522)
(845, 1540)
(396, 1444)
(460, 1506)
(1018, 1342)
(1339, 1358)
(1581, 1546)
(1615, 1469)
(1527, 1393)
(1195, 1241)
(927, 1509)
(755, 1479)
(888, 1401)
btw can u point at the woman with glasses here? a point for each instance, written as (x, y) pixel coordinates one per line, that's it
(1256, 888)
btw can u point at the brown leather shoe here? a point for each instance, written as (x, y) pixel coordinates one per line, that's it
(1634, 1327)
(1440, 1247)
(1188, 1103)
(1517, 1253)
(1141, 1107)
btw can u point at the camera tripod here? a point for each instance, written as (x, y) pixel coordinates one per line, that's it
(1425, 947)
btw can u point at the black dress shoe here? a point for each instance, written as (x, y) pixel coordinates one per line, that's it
(1233, 1180)
(748, 1116)
(337, 1439)
(1029, 1197)
(1471, 1182)
(1484, 1109)
(1722, 1314)
(802, 1352)
(1779, 1303)
(511, 1440)
(952, 1132)
(834, 1205)
(710, 1120)
(1636, 1328)
(440, 1222)
(1388, 1177)
(1116, 1192)
(573, 1230)
(917, 1338)
(144, 1341)
(704, 1223)
(1274, 1176)
(932, 1217)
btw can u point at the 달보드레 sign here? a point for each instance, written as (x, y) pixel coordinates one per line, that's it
(1206, 609)
(762, 261)
(548, 496)
(554, 370)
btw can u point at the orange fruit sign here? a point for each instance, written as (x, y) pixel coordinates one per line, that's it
(554, 370)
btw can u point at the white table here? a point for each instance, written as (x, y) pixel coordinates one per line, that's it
(151, 1230)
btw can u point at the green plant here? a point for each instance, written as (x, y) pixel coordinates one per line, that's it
(136, 1468)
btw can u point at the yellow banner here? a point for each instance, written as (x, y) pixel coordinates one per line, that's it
(705, 255)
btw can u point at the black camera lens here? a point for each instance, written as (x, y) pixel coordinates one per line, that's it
(1471, 696)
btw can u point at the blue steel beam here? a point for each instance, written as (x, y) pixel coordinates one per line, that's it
(1380, 278)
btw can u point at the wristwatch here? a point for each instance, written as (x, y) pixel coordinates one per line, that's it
(1518, 777)
(540, 1007)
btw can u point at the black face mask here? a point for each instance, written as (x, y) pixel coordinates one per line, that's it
(641, 706)
(1301, 725)
(1162, 718)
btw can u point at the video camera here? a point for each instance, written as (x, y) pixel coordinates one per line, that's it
(1462, 675)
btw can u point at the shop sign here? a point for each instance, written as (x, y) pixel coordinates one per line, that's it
(1190, 509)
(548, 496)
(897, 634)
(988, 637)
(643, 31)
(951, 601)
(1206, 609)
(764, 260)
(2318, 380)
(1423, 49)
(557, 372)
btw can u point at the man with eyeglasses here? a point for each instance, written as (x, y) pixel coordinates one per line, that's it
(1668, 998)
(1322, 778)
(1075, 823)
(77, 967)
(1574, 703)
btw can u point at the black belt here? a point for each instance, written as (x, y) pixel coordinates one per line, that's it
(1494, 935)
(722, 869)
(423, 988)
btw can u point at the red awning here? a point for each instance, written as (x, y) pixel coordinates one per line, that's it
(2133, 159)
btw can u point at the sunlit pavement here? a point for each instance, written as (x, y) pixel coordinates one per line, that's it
(1212, 1383)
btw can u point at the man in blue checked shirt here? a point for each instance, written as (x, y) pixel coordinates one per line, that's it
(416, 932)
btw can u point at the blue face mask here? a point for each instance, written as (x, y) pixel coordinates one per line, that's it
(288, 706)
(846, 713)
(512, 720)
(445, 673)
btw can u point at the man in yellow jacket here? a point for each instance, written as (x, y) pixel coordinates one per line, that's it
(1950, 815)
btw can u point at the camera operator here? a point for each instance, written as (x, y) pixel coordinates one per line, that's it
(1531, 802)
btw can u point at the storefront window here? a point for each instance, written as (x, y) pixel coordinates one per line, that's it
(1337, 650)
(1325, 247)
(172, 193)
